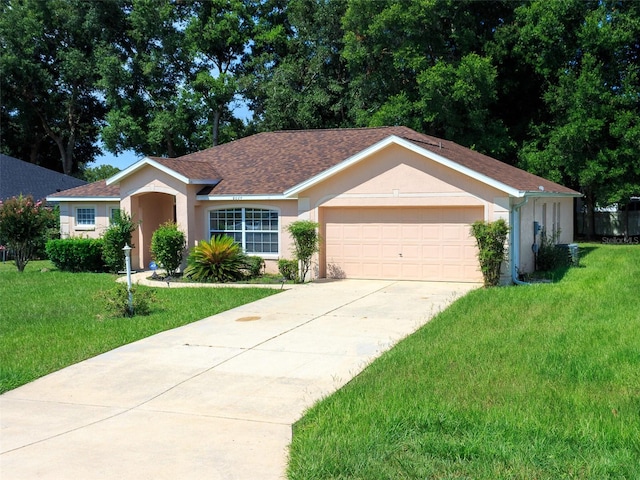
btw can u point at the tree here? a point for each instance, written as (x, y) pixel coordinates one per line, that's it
(424, 64)
(23, 227)
(592, 137)
(217, 33)
(142, 79)
(101, 172)
(49, 50)
(301, 79)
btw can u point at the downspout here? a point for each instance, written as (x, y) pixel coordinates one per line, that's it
(515, 240)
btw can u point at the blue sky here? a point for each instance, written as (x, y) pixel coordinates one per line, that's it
(122, 161)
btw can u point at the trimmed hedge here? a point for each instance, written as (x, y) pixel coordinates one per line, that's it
(76, 254)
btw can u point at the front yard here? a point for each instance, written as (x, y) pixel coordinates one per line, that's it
(539, 381)
(51, 319)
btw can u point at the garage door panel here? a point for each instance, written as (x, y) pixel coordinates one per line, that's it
(368, 251)
(390, 232)
(390, 252)
(409, 243)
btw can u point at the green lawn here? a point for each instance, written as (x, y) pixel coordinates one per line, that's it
(531, 382)
(51, 319)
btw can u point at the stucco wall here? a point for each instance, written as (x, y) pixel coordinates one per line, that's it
(555, 214)
(398, 177)
(68, 226)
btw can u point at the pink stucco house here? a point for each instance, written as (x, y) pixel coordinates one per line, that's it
(391, 203)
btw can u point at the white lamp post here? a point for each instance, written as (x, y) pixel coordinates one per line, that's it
(127, 259)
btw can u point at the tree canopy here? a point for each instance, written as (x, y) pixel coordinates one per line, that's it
(549, 85)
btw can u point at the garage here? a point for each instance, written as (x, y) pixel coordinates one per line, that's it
(432, 244)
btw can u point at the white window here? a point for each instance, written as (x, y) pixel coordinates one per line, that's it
(86, 216)
(256, 229)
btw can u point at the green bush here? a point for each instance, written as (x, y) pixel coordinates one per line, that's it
(490, 237)
(255, 266)
(550, 256)
(116, 300)
(306, 243)
(115, 238)
(288, 268)
(76, 254)
(219, 260)
(167, 247)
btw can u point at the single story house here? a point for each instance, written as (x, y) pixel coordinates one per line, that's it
(391, 203)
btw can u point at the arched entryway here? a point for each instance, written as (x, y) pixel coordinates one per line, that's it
(151, 210)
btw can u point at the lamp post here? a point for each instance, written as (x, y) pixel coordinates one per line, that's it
(127, 259)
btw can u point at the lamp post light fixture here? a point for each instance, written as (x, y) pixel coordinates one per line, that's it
(127, 259)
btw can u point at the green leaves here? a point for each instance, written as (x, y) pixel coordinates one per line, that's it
(588, 59)
(306, 243)
(491, 238)
(167, 246)
(219, 260)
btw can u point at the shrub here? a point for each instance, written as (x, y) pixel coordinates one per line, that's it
(24, 225)
(490, 237)
(288, 268)
(76, 254)
(550, 256)
(255, 266)
(116, 300)
(167, 246)
(219, 260)
(306, 243)
(115, 238)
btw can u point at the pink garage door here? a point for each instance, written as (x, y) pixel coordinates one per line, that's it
(402, 243)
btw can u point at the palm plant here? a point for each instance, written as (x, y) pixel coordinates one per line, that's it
(220, 259)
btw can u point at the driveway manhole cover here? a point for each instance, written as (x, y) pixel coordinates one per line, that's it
(247, 319)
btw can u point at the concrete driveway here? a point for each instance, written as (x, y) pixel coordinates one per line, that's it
(214, 399)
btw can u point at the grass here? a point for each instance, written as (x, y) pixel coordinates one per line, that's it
(51, 319)
(535, 382)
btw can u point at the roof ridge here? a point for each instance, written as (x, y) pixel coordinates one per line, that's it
(331, 129)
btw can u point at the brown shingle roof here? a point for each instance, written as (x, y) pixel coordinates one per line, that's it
(274, 162)
(271, 163)
(97, 189)
(190, 168)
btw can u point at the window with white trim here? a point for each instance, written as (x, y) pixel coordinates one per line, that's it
(256, 229)
(86, 216)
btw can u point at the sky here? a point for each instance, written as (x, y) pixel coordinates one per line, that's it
(121, 161)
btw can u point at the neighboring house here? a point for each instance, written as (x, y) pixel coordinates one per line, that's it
(391, 203)
(23, 178)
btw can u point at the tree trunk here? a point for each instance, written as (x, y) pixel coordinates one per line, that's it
(590, 216)
(216, 126)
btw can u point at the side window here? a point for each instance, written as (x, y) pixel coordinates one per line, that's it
(86, 216)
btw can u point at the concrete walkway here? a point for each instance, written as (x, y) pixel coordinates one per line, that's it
(214, 399)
